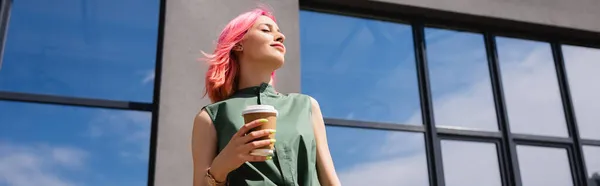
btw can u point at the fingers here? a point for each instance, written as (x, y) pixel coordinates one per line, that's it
(255, 135)
(249, 126)
(251, 158)
(256, 144)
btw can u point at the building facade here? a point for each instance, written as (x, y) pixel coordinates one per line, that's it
(414, 92)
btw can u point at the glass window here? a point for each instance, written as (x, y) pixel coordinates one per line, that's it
(530, 85)
(83, 48)
(387, 158)
(460, 80)
(592, 163)
(360, 69)
(64, 145)
(582, 67)
(464, 159)
(544, 166)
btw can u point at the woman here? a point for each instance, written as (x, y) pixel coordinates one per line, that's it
(240, 73)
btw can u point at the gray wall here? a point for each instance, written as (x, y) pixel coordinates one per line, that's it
(191, 26)
(579, 14)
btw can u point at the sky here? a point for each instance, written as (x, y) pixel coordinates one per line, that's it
(358, 69)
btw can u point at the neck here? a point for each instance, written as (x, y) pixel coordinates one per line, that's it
(253, 78)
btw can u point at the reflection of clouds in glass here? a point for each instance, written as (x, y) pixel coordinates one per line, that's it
(530, 85)
(90, 146)
(582, 65)
(26, 165)
(400, 160)
(130, 129)
(345, 75)
(358, 68)
(400, 144)
(148, 77)
(592, 160)
(460, 81)
(544, 166)
(399, 171)
(464, 159)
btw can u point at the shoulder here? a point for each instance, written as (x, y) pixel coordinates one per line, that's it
(314, 104)
(203, 116)
(202, 121)
(212, 109)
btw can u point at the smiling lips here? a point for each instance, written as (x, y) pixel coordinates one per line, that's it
(278, 45)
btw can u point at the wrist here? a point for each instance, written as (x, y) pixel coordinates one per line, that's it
(218, 173)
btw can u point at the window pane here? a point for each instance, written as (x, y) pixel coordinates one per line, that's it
(530, 85)
(544, 166)
(364, 157)
(63, 145)
(592, 163)
(360, 69)
(83, 48)
(582, 66)
(464, 159)
(460, 80)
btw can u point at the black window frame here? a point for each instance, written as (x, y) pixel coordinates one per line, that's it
(4, 17)
(490, 28)
(153, 107)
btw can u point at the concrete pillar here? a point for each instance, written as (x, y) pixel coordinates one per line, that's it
(191, 26)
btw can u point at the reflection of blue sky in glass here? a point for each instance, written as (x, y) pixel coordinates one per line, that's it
(360, 69)
(366, 66)
(83, 48)
(460, 80)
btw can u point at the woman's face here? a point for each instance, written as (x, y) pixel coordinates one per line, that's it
(263, 44)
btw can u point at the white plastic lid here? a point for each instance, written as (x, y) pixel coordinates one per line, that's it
(259, 109)
(262, 152)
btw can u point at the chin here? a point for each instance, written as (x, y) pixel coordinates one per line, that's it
(276, 61)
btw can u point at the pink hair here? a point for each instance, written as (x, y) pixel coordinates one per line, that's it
(223, 70)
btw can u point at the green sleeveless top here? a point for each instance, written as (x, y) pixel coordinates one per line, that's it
(294, 161)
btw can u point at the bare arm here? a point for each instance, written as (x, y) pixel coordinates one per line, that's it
(325, 168)
(234, 154)
(204, 141)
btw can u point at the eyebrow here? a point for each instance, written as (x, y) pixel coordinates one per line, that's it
(270, 26)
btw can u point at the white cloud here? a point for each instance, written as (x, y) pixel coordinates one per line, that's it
(148, 77)
(33, 165)
(68, 157)
(129, 131)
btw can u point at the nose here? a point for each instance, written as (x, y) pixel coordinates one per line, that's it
(279, 37)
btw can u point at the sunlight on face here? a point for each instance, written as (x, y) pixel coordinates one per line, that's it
(264, 43)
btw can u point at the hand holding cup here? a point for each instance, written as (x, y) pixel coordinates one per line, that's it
(240, 146)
